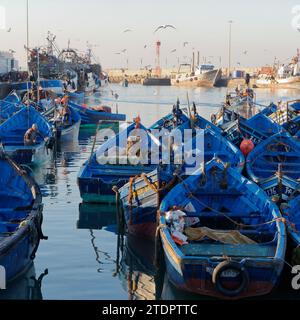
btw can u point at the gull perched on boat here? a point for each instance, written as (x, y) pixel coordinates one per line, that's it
(164, 26)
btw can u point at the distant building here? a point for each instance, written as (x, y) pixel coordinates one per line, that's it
(8, 62)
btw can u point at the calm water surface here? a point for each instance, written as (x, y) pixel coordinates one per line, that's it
(81, 253)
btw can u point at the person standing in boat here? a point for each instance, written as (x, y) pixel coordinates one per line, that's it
(31, 135)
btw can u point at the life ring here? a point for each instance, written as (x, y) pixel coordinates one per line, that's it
(243, 278)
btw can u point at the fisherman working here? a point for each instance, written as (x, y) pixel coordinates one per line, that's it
(31, 134)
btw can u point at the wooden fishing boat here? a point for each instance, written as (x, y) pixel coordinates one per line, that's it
(228, 114)
(141, 197)
(275, 165)
(288, 116)
(102, 172)
(257, 129)
(12, 137)
(9, 105)
(53, 85)
(221, 235)
(67, 131)
(20, 218)
(96, 181)
(91, 116)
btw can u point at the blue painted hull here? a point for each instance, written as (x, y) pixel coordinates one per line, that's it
(34, 155)
(20, 219)
(216, 266)
(278, 155)
(89, 116)
(49, 85)
(96, 183)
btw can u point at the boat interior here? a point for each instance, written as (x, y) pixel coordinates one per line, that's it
(234, 220)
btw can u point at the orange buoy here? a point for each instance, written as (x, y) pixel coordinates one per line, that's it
(246, 146)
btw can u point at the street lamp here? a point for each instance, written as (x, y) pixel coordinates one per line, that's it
(229, 48)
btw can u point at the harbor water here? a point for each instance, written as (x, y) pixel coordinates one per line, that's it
(81, 253)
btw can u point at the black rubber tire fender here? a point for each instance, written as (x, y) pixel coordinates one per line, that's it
(225, 265)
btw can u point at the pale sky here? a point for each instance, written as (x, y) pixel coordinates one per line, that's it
(263, 28)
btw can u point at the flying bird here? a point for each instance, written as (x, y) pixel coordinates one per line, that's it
(117, 53)
(124, 50)
(9, 30)
(164, 26)
(185, 43)
(145, 46)
(174, 50)
(245, 52)
(127, 30)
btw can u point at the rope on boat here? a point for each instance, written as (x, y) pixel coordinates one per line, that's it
(241, 225)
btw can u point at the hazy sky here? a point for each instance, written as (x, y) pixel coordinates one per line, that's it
(261, 27)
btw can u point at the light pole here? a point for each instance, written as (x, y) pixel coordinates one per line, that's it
(229, 48)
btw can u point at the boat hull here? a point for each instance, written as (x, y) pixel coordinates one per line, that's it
(207, 79)
(34, 155)
(195, 275)
(89, 116)
(17, 258)
(70, 133)
(96, 183)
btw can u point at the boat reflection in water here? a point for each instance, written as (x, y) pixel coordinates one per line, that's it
(136, 269)
(98, 217)
(26, 287)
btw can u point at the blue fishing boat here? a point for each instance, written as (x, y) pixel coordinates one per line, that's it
(221, 235)
(66, 130)
(53, 85)
(9, 105)
(96, 181)
(102, 172)
(275, 165)
(288, 117)
(12, 134)
(20, 218)
(91, 116)
(142, 195)
(228, 115)
(257, 129)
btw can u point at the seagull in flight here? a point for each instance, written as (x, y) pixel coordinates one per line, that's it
(164, 26)
(117, 53)
(185, 43)
(174, 50)
(124, 50)
(9, 30)
(127, 30)
(245, 52)
(145, 46)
